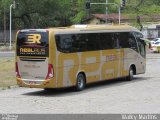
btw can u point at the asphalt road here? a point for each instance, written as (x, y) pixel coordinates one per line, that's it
(142, 95)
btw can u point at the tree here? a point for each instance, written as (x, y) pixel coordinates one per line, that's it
(47, 13)
(3, 23)
(78, 11)
(33, 15)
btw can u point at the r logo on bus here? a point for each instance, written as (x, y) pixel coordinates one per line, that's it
(33, 38)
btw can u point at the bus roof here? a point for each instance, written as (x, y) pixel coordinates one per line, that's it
(85, 28)
(94, 28)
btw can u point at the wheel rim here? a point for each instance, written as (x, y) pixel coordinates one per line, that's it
(80, 82)
(131, 73)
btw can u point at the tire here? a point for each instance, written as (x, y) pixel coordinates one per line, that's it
(81, 82)
(48, 89)
(131, 73)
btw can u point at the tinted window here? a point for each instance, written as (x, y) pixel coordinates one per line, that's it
(122, 37)
(95, 41)
(132, 42)
(142, 50)
(138, 35)
(106, 40)
(32, 44)
(141, 43)
(77, 42)
(92, 41)
(64, 42)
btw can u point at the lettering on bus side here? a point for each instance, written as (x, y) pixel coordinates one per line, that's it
(90, 63)
(95, 66)
(71, 72)
(108, 67)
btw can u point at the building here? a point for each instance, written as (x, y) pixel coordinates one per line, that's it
(150, 23)
(110, 18)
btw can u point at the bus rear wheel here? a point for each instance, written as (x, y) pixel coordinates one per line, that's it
(48, 89)
(131, 73)
(81, 82)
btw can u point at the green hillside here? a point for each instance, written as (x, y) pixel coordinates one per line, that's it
(47, 13)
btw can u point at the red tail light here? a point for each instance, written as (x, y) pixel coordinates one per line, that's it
(17, 71)
(50, 72)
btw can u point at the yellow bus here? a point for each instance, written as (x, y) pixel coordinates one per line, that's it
(77, 55)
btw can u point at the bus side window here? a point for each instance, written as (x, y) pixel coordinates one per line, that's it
(122, 38)
(132, 42)
(141, 44)
(64, 43)
(106, 41)
(82, 42)
(93, 42)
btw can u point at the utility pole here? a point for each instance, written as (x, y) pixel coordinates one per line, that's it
(10, 25)
(106, 10)
(4, 26)
(119, 14)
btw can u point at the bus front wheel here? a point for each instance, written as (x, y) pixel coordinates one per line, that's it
(81, 82)
(131, 73)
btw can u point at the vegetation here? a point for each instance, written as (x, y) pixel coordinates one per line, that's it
(47, 13)
(7, 74)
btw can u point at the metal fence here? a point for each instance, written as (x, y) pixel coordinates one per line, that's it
(4, 36)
